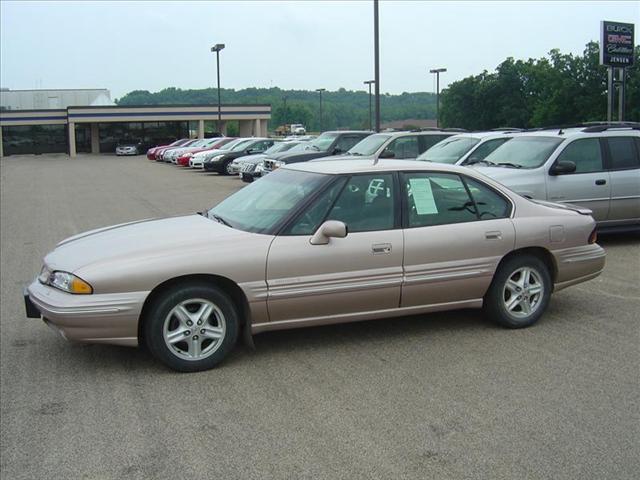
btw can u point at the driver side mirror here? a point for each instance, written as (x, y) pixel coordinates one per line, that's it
(561, 167)
(329, 229)
(387, 154)
(337, 150)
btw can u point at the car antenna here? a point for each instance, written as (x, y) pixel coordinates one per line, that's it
(560, 132)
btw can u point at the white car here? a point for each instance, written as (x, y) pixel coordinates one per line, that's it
(467, 148)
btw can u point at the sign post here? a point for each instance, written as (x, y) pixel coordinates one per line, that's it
(616, 52)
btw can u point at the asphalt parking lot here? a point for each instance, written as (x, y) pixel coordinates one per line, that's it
(442, 396)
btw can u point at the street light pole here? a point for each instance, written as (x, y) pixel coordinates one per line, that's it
(284, 100)
(376, 47)
(369, 82)
(216, 48)
(437, 71)
(320, 90)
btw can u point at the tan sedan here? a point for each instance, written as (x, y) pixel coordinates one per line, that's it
(313, 244)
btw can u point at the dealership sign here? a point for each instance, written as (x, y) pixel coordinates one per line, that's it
(616, 44)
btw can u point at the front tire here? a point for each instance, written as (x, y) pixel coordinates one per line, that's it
(191, 327)
(519, 293)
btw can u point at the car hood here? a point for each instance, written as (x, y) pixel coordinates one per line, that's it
(298, 156)
(250, 158)
(140, 242)
(501, 174)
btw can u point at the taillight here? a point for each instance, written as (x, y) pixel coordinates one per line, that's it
(593, 237)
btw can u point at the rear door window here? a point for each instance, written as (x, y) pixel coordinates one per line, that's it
(347, 141)
(404, 147)
(425, 142)
(623, 153)
(436, 199)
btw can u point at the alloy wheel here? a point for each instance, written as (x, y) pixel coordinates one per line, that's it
(523, 292)
(194, 329)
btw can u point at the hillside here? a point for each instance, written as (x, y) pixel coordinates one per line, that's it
(340, 109)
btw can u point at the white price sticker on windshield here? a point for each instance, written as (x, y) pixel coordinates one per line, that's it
(423, 196)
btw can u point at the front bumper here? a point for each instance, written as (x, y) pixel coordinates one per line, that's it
(110, 318)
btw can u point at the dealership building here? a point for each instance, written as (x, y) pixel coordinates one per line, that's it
(99, 128)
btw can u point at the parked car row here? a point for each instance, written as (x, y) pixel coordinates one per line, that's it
(595, 166)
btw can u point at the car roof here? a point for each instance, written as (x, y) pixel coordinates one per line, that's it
(341, 167)
(582, 131)
(366, 132)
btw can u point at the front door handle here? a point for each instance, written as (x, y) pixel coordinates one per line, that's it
(380, 248)
(601, 181)
(495, 235)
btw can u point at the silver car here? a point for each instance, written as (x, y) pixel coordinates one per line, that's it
(597, 167)
(315, 243)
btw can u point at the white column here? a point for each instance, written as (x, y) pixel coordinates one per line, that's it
(246, 129)
(72, 139)
(263, 128)
(200, 128)
(95, 138)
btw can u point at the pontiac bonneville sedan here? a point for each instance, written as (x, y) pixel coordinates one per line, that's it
(315, 243)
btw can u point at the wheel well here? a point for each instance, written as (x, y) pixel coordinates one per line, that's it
(228, 286)
(542, 253)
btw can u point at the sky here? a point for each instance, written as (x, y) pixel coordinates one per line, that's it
(126, 46)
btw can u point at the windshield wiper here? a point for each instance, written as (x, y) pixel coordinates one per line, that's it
(219, 219)
(473, 162)
(508, 164)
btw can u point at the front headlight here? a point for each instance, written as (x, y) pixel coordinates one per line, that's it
(65, 281)
(216, 158)
(278, 164)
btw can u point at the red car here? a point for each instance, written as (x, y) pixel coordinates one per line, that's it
(183, 160)
(151, 153)
(161, 151)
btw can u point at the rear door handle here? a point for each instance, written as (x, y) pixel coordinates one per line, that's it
(495, 235)
(601, 181)
(380, 248)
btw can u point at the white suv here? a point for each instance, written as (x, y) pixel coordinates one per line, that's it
(595, 166)
(467, 148)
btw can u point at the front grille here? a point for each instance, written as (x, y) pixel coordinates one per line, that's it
(248, 167)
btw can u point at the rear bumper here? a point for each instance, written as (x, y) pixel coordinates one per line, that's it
(98, 318)
(578, 264)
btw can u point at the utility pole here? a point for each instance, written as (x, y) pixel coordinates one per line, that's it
(217, 48)
(369, 82)
(437, 71)
(376, 47)
(320, 90)
(284, 100)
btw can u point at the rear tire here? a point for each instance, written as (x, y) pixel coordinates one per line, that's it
(191, 327)
(519, 293)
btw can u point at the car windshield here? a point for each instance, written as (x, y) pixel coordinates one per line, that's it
(369, 145)
(262, 205)
(233, 143)
(280, 147)
(241, 145)
(524, 152)
(322, 143)
(449, 150)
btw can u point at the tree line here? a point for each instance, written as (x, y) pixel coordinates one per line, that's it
(559, 89)
(341, 109)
